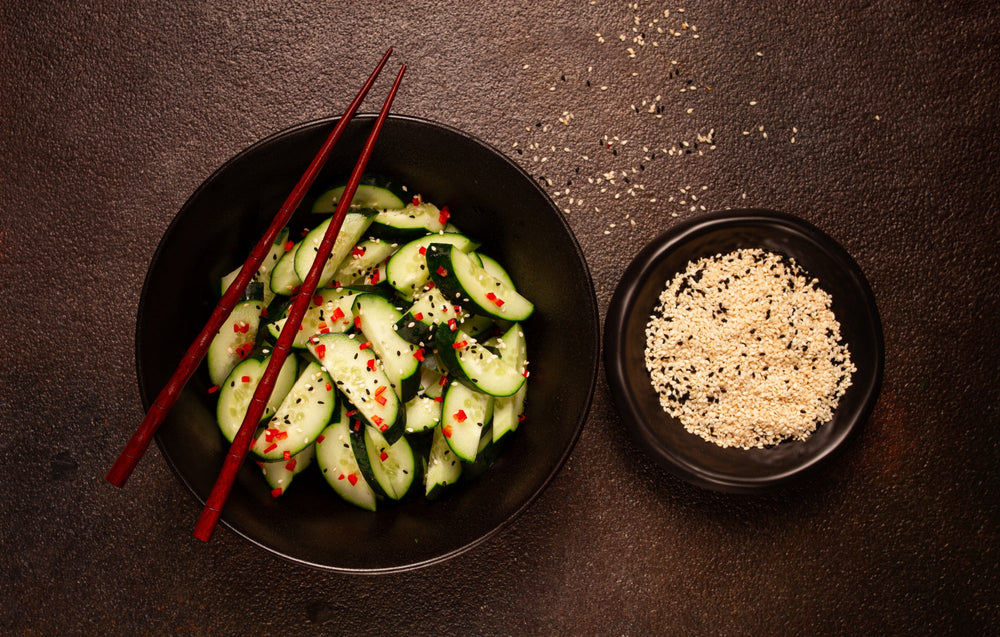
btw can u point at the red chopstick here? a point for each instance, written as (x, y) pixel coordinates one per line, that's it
(241, 442)
(137, 444)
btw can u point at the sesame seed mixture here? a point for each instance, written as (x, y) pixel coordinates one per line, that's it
(745, 351)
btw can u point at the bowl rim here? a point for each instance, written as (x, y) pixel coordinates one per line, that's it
(622, 305)
(148, 395)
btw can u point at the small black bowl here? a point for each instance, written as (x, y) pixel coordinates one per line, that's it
(663, 437)
(492, 200)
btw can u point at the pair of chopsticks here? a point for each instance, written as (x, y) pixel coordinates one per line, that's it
(139, 442)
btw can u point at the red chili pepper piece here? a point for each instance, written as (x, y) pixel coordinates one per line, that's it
(322, 327)
(357, 322)
(446, 430)
(320, 350)
(444, 216)
(521, 417)
(289, 245)
(371, 364)
(287, 455)
(358, 252)
(276, 492)
(383, 456)
(419, 316)
(441, 271)
(377, 420)
(290, 465)
(452, 324)
(338, 313)
(244, 379)
(460, 415)
(419, 354)
(417, 200)
(422, 251)
(213, 389)
(353, 479)
(460, 344)
(375, 277)
(271, 447)
(320, 439)
(380, 400)
(365, 345)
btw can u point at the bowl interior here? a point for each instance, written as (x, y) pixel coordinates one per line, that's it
(661, 435)
(493, 201)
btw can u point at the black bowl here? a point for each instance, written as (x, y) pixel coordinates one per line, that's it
(663, 437)
(491, 199)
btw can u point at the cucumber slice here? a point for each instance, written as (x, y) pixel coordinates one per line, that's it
(263, 274)
(234, 340)
(508, 410)
(391, 467)
(284, 280)
(329, 311)
(467, 283)
(366, 196)
(423, 411)
(475, 365)
(407, 269)
(495, 270)
(365, 264)
(443, 467)
(354, 226)
(339, 467)
(280, 473)
(413, 221)
(377, 318)
(237, 391)
(300, 418)
(360, 377)
(464, 414)
(429, 308)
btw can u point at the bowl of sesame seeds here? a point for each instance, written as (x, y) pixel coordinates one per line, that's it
(743, 349)
(493, 200)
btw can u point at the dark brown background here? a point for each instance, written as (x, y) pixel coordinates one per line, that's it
(112, 113)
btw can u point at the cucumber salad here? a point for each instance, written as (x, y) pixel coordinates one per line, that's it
(409, 369)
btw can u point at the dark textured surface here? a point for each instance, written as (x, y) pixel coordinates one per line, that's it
(113, 113)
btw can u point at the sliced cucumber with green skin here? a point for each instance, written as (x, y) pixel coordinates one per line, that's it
(284, 280)
(488, 452)
(494, 269)
(364, 263)
(354, 226)
(366, 196)
(407, 269)
(464, 415)
(467, 283)
(238, 389)
(300, 418)
(358, 374)
(339, 467)
(475, 365)
(443, 467)
(508, 410)
(280, 473)
(329, 311)
(388, 469)
(429, 308)
(377, 318)
(263, 275)
(413, 221)
(423, 411)
(234, 340)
